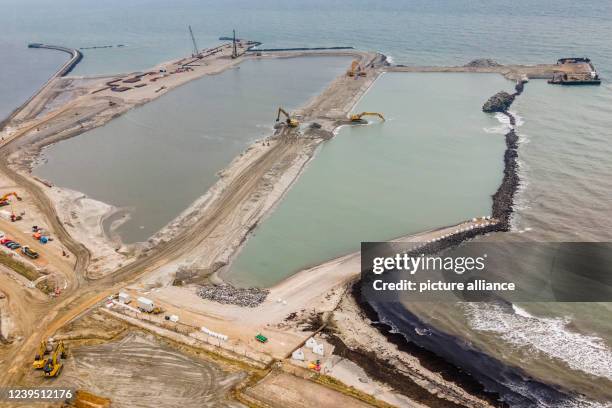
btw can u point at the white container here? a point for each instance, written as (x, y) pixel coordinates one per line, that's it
(298, 355)
(311, 343)
(125, 298)
(145, 304)
(318, 349)
(174, 318)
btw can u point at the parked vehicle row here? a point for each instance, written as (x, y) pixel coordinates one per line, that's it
(14, 245)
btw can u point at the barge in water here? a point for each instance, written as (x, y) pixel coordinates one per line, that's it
(575, 71)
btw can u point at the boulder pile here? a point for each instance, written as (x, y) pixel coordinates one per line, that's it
(500, 102)
(483, 63)
(229, 295)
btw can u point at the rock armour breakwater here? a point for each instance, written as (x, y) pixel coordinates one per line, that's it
(502, 208)
(503, 199)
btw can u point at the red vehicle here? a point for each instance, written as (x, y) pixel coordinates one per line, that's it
(5, 240)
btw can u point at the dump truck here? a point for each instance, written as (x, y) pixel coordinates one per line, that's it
(29, 252)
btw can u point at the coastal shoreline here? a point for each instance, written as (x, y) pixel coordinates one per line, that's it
(502, 210)
(215, 212)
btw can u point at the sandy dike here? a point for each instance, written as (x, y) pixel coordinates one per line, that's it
(50, 123)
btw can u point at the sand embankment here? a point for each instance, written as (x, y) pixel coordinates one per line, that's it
(513, 72)
(93, 104)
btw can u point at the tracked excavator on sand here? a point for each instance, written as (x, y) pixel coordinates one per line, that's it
(53, 365)
(358, 118)
(4, 199)
(291, 122)
(41, 356)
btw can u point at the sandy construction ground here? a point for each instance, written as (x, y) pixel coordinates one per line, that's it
(280, 389)
(150, 379)
(282, 317)
(512, 72)
(203, 238)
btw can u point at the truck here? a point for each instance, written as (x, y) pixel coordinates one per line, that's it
(145, 305)
(124, 298)
(29, 252)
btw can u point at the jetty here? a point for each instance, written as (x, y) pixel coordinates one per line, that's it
(76, 57)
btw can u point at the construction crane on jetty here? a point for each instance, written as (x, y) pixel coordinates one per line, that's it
(234, 50)
(196, 51)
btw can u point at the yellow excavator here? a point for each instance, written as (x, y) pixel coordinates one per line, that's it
(54, 365)
(358, 117)
(355, 69)
(291, 122)
(4, 199)
(41, 356)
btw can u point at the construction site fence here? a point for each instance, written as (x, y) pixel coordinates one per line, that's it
(195, 333)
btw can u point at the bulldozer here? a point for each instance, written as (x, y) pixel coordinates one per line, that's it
(291, 122)
(53, 365)
(4, 199)
(358, 118)
(40, 359)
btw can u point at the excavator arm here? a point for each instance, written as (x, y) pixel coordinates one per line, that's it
(290, 121)
(281, 111)
(7, 195)
(39, 358)
(54, 365)
(358, 117)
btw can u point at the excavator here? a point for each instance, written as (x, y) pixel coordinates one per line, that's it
(355, 70)
(4, 199)
(40, 359)
(357, 118)
(291, 122)
(54, 364)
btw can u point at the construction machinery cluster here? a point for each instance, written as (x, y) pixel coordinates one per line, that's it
(49, 358)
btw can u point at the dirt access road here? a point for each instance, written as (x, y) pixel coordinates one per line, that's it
(87, 293)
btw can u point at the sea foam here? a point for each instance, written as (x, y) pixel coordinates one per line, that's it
(549, 336)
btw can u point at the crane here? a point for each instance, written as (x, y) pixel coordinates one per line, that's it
(54, 364)
(358, 117)
(196, 51)
(40, 358)
(234, 50)
(290, 121)
(4, 199)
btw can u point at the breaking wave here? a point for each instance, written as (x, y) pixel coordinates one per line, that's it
(550, 336)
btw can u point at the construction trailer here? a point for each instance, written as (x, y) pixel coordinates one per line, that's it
(145, 305)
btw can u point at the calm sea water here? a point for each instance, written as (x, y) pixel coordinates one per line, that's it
(565, 156)
(18, 84)
(419, 170)
(411, 31)
(157, 159)
(566, 171)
